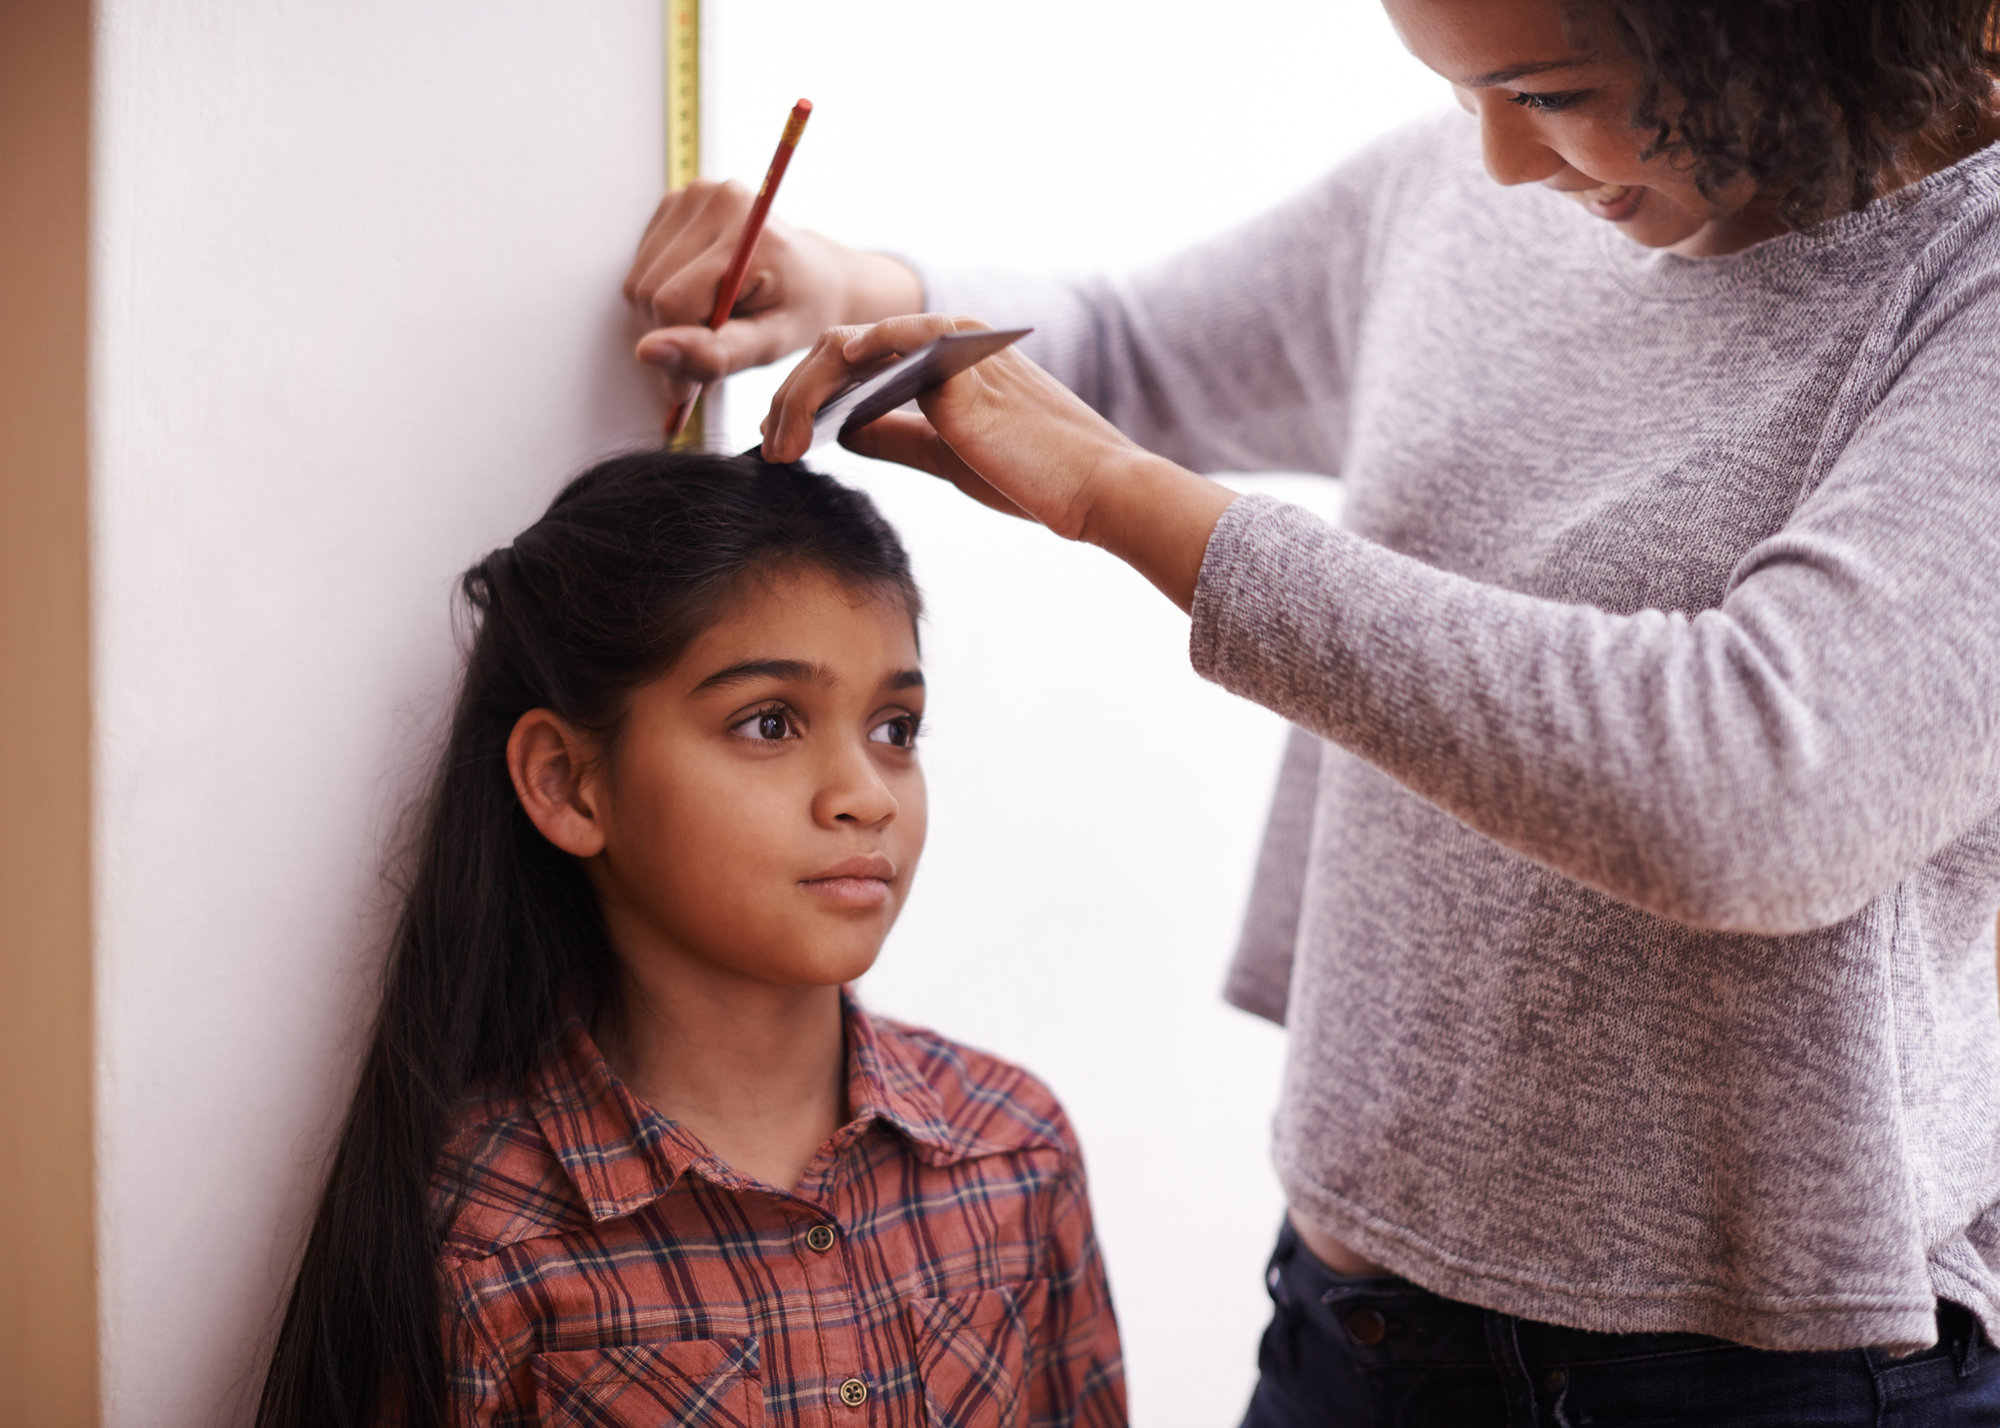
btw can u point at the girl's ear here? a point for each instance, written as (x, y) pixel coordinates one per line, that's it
(551, 762)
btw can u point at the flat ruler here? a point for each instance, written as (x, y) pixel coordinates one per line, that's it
(683, 117)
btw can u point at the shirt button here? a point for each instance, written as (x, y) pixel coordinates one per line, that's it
(820, 1238)
(1556, 1382)
(854, 1393)
(1367, 1326)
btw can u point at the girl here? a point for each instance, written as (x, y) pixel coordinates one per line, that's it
(623, 1150)
(1629, 897)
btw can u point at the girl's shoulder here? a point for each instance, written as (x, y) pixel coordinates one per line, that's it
(984, 1104)
(500, 1179)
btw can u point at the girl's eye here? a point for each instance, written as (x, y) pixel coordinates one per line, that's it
(1549, 103)
(767, 726)
(900, 731)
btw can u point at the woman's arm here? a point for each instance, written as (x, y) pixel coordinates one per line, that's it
(1011, 436)
(1768, 766)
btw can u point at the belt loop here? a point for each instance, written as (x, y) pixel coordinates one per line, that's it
(1281, 1259)
(1503, 1342)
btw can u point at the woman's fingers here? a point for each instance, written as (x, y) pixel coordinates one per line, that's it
(791, 290)
(696, 354)
(822, 372)
(896, 335)
(842, 356)
(684, 250)
(1003, 431)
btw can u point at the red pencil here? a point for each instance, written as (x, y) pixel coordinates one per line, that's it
(753, 227)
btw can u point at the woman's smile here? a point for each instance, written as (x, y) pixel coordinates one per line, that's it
(1613, 202)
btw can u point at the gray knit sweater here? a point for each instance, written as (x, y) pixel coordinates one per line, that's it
(1632, 909)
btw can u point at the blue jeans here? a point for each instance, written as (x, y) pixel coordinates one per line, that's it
(1374, 1352)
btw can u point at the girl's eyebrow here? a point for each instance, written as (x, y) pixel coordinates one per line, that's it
(794, 671)
(791, 671)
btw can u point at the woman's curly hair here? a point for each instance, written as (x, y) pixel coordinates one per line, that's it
(1815, 100)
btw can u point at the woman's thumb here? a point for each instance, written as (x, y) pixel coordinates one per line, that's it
(696, 354)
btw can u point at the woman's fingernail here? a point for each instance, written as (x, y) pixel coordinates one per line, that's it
(660, 354)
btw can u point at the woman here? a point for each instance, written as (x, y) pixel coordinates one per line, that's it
(1630, 895)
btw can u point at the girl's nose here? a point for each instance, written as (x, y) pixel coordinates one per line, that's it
(852, 792)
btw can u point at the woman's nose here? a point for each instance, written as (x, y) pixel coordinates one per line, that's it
(1508, 142)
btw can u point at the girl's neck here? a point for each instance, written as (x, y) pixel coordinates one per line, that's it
(757, 1072)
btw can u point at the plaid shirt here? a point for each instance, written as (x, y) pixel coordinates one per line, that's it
(936, 1265)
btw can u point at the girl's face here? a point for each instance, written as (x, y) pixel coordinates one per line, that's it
(761, 814)
(1554, 113)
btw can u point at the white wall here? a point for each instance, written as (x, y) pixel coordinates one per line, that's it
(355, 317)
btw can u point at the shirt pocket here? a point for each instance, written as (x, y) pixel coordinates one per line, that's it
(702, 1383)
(971, 1354)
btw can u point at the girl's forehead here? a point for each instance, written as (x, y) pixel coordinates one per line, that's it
(808, 616)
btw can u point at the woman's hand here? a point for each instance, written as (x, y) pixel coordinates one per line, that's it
(1012, 437)
(798, 284)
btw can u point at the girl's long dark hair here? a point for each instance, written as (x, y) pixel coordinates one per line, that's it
(500, 936)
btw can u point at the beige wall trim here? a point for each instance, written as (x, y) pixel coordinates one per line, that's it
(48, 1297)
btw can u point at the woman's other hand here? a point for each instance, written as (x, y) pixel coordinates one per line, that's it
(798, 283)
(1012, 437)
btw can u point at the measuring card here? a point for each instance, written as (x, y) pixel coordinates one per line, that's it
(931, 365)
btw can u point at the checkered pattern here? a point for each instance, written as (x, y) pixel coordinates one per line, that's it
(603, 1268)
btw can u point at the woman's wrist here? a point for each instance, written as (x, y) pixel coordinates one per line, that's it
(1156, 517)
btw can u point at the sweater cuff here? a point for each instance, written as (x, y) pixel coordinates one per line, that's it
(1263, 554)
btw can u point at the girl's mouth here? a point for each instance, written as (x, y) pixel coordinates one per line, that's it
(849, 892)
(861, 881)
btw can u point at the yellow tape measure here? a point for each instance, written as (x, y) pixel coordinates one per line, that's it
(683, 92)
(683, 116)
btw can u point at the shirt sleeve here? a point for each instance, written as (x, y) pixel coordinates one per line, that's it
(1768, 766)
(1078, 1377)
(1205, 358)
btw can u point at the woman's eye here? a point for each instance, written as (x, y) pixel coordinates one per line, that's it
(767, 725)
(1549, 103)
(901, 732)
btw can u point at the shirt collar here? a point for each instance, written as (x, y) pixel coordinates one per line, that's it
(621, 1154)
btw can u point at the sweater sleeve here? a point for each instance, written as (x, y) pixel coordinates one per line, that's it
(1203, 358)
(1768, 766)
